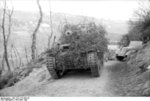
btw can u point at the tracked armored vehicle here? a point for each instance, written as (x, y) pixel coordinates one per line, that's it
(123, 53)
(76, 54)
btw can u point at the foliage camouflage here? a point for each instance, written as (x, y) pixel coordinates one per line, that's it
(82, 39)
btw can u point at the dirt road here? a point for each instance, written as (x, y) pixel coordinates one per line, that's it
(81, 84)
(78, 84)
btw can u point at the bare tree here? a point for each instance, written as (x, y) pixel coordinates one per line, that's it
(26, 53)
(3, 32)
(16, 58)
(12, 58)
(33, 46)
(10, 13)
(6, 36)
(51, 26)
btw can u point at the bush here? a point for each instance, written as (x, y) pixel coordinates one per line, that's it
(140, 28)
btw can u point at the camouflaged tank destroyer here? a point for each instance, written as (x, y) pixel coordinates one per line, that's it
(77, 53)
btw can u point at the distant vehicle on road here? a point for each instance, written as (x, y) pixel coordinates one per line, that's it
(110, 54)
(123, 53)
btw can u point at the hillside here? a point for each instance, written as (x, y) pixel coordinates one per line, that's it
(25, 22)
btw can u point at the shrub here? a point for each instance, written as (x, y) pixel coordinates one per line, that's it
(140, 28)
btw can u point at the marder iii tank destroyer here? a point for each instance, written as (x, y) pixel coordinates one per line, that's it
(80, 47)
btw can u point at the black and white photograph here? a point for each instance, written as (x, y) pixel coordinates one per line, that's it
(74, 48)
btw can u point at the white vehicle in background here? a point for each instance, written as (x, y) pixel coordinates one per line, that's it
(123, 53)
(110, 55)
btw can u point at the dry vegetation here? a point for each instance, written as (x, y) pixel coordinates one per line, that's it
(10, 76)
(139, 74)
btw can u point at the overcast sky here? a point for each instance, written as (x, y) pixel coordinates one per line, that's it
(105, 9)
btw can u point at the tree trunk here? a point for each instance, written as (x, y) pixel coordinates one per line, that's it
(51, 26)
(3, 64)
(33, 46)
(4, 37)
(6, 57)
(17, 52)
(26, 53)
(12, 59)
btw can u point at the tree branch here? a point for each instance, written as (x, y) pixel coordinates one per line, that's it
(10, 23)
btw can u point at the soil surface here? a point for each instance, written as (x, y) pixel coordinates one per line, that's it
(77, 83)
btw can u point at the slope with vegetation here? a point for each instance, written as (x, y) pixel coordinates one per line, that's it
(139, 62)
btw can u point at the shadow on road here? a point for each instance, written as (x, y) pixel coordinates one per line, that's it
(76, 74)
